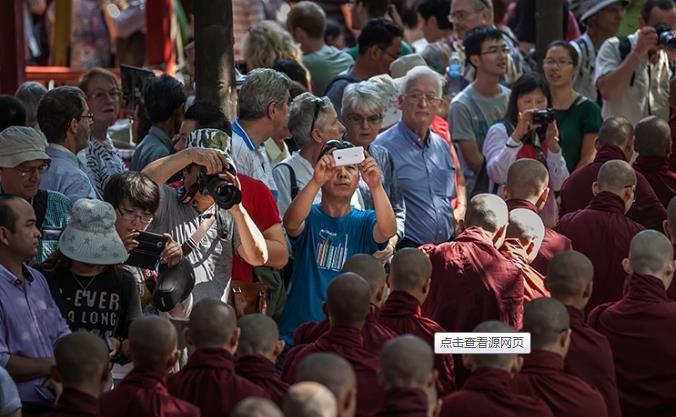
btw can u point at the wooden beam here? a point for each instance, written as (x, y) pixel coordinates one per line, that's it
(548, 25)
(13, 49)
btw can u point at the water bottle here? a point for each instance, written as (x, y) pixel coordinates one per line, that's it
(455, 76)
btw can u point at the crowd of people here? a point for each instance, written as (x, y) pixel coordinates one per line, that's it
(484, 196)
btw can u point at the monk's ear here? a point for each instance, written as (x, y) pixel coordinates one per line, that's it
(627, 266)
(234, 339)
(595, 188)
(665, 227)
(517, 363)
(279, 347)
(432, 379)
(426, 287)
(187, 335)
(542, 200)
(387, 279)
(173, 358)
(587, 290)
(504, 193)
(565, 339)
(380, 295)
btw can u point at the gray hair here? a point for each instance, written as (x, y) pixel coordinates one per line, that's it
(301, 112)
(422, 72)
(30, 93)
(262, 87)
(362, 96)
(437, 55)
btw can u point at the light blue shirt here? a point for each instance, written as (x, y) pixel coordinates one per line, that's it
(9, 397)
(155, 145)
(67, 175)
(425, 175)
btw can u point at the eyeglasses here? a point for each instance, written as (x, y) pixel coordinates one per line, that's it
(358, 119)
(463, 14)
(101, 95)
(27, 171)
(553, 62)
(131, 216)
(319, 104)
(419, 97)
(88, 116)
(394, 57)
(496, 51)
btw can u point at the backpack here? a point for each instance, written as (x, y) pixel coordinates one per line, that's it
(625, 49)
(292, 180)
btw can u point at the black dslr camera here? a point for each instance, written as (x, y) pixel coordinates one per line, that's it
(543, 117)
(665, 37)
(225, 194)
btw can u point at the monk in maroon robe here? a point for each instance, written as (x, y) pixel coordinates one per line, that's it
(524, 237)
(542, 374)
(336, 374)
(209, 380)
(653, 144)
(143, 392)
(348, 304)
(527, 187)
(375, 335)
(670, 230)
(409, 281)
(259, 347)
(615, 142)
(602, 232)
(82, 368)
(589, 356)
(672, 122)
(641, 329)
(488, 392)
(407, 368)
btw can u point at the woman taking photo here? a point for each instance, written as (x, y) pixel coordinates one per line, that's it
(579, 119)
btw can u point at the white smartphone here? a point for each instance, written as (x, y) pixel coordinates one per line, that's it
(348, 156)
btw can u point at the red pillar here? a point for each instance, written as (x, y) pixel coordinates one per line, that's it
(159, 48)
(13, 50)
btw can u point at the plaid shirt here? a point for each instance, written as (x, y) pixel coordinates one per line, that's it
(57, 216)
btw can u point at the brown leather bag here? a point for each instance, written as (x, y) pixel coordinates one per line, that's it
(248, 297)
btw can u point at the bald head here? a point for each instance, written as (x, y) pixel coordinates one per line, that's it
(499, 360)
(407, 361)
(152, 341)
(410, 270)
(616, 176)
(258, 335)
(649, 252)
(616, 131)
(212, 323)
(309, 399)
(330, 370)
(348, 299)
(526, 226)
(545, 319)
(653, 137)
(568, 274)
(81, 359)
(256, 407)
(367, 267)
(487, 211)
(671, 218)
(527, 179)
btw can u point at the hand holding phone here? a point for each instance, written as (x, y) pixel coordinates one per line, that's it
(348, 156)
(147, 254)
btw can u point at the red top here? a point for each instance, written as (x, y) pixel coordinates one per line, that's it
(641, 330)
(74, 403)
(262, 372)
(440, 127)
(404, 402)
(143, 393)
(259, 202)
(661, 178)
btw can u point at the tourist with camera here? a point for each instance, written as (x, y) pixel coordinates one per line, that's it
(206, 215)
(528, 130)
(633, 72)
(577, 117)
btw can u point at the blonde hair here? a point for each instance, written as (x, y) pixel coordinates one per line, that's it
(266, 43)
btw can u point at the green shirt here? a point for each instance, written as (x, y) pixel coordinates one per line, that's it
(629, 23)
(573, 124)
(324, 65)
(405, 50)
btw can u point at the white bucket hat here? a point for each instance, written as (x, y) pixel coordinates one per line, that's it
(388, 91)
(90, 237)
(591, 7)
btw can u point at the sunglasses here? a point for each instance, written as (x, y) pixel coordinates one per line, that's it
(319, 105)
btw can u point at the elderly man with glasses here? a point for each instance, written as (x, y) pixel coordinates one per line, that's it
(422, 161)
(23, 160)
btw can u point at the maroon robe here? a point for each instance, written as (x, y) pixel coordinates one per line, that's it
(671, 291)
(656, 170)
(74, 403)
(262, 372)
(375, 335)
(209, 381)
(404, 402)
(603, 233)
(552, 243)
(672, 125)
(641, 330)
(487, 393)
(589, 358)
(401, 313)
(347, 343)
(143, 393)
(533, 281)
(576, 191)
(542, 376)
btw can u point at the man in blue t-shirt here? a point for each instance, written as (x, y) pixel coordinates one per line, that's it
(323, 236)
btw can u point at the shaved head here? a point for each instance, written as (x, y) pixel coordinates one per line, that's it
(367, 267)
(649, 252)
(152, 341)
(615, 131)
(330, 370)
(615, 176)
(487, 211)
(671, 218)
(81, 358)
(568, 274)
(348, 299)
(653, 137)
(497, 360)
(212, 323)
(256, 407)
(526, 226)
(410, 270)
(309, 399)
(407, 361)
(545, 319)
(527, 179)
(259, 335)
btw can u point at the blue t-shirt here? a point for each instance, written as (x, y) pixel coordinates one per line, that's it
(320, 251)
(9, 397)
